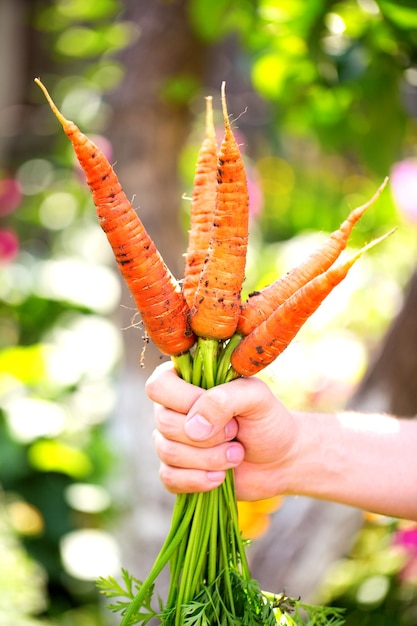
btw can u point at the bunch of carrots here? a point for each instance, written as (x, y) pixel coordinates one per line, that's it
(212, 338)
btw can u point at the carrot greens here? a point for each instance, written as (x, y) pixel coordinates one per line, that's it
(210, 579)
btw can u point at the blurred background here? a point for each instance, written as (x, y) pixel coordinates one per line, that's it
(323, 98)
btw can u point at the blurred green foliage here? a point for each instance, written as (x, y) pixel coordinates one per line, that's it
(338, 83)
(335, 75)
(367, 581)
(57, 290)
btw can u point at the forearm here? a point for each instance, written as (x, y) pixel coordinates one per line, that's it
(367, 461)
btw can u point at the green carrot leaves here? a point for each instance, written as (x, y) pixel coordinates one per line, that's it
(112, 589)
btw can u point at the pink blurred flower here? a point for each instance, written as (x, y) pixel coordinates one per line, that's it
(256, 197)
(10, 195)
(9, 245)
(404, 187)
(406, 539)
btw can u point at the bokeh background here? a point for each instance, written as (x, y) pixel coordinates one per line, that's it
(323, 98)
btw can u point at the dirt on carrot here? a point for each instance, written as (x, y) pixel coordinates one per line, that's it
(268, 340)
(216, 306)
(260, 305)
(202, 207)
(157, 295)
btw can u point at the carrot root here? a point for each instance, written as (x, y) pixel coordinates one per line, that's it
(268, 340)
(156, 293)
(202, 207)
(216, 304)
(261, 304)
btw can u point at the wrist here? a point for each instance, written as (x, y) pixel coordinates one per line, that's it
(315, 461)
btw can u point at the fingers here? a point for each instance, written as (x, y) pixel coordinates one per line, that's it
(189, 481)
(208, 465)
(171, 425)
(164, 386)
(215, 408)
(221, 457)
(207, 411)
(196, 432)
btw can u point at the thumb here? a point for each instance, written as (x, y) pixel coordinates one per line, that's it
(215, 409)
(198, 427)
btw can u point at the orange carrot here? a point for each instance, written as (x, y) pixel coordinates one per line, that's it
(271, 337)
(157, 295)
(216, 306)
(261, 304)
(202, 207)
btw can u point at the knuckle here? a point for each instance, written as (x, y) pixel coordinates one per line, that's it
(167, 478)
(218, 401)
(168, 451)
(151, 387)
(155, 382)
(166, 424)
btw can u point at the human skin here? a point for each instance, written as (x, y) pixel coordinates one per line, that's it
(364, 460)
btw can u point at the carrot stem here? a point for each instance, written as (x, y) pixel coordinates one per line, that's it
(230, 497)
(191, 556)
(209, 349)
(184, 366)
(224, 551)
(204, 545)
(171, 543)
(197, 367)
(212, 569)
(224, 360)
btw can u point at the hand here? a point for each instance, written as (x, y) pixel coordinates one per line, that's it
(200, 434)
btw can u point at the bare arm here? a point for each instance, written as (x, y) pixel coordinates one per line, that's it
(364, 460)
(367, 461)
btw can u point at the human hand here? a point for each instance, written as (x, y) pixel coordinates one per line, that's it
(200, 434)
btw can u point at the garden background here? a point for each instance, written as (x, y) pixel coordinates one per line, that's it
(323, 95)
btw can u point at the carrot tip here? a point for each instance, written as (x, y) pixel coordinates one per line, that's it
(373, 243)
(210, 131)
(376, 195)
(51, 103)
(224, 106)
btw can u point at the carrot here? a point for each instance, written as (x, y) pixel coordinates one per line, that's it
(216, 305)
(271, 337)
(157, 295)
(202, 207)
(262, 303)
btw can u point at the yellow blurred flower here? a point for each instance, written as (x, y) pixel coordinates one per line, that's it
(255, 517)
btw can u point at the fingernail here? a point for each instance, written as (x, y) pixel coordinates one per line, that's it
(234, 454)
(197, 427)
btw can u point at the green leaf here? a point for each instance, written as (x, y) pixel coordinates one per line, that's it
(213, 20)
(111, 588)
(268, 75)
(208, 18)
(82, 10)
(80, 41)
(55, 456)
(402, 12)
(180, 88)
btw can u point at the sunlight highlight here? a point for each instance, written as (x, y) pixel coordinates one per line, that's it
(90, 553)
